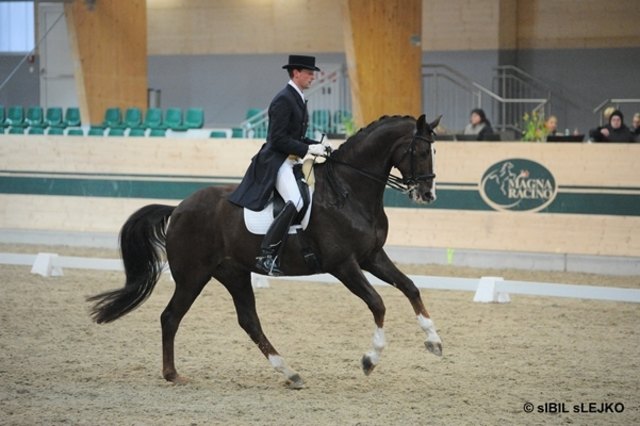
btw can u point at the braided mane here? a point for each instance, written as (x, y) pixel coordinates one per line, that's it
(366, 131)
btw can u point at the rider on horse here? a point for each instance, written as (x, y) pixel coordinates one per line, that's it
(272, 167)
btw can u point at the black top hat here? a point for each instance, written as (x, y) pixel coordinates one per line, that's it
(299, 61)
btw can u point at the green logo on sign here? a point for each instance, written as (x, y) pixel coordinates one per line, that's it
(518, 185)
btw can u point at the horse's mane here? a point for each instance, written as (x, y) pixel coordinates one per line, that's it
(366, 131)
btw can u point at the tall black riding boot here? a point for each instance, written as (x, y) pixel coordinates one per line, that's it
(274, 241)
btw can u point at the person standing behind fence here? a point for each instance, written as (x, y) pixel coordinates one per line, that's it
(635, 126)
(478, 124)
(615, 131)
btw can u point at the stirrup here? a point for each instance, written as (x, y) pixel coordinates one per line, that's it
(268, 264)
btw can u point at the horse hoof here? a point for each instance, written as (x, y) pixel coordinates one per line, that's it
(367, 365)
(295, 382)
(434, 347)
(176, 379)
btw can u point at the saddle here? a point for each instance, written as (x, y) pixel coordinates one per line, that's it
(257, 222)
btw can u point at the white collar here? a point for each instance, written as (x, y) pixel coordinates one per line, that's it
(292, 84)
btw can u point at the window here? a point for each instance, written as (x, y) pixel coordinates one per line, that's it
(17, 32)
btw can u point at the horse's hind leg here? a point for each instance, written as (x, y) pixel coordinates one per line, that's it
(382, 267)
(238, 283)
(186, 291)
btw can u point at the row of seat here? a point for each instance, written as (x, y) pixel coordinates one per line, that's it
(34, 116)
(78, 131)
(174, 119)
(320, 120)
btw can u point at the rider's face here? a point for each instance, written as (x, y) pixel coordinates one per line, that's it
(303, 78)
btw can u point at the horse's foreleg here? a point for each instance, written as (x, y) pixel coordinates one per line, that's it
(382, 267)
(352, 277)
(239, 286)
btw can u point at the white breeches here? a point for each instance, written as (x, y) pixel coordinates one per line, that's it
(286, 184)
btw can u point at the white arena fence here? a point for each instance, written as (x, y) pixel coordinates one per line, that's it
(486, 289)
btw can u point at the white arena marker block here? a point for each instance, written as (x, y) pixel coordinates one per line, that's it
(487, 292)
(43, 265)
(259, 281)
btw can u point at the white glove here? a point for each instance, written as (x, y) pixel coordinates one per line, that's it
(317, 149)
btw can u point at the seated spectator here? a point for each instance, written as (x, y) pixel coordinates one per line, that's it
(551, 125)
(615, 131)
(635, 126)
(478, 124)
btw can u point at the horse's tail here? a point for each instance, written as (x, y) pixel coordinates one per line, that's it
(142, 244)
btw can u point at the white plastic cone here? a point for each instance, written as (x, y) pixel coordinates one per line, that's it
(43, 265)
(487, 293)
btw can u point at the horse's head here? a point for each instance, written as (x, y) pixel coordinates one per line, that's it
(414, 157)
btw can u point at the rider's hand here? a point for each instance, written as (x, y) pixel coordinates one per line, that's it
(327, 147)
(317, 149)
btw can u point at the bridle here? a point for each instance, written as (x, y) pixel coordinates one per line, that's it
(413, 180)
(397, 183)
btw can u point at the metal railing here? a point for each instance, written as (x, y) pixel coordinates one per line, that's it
(511, 82)
(446, 91)
(328, 99)
(614, 103)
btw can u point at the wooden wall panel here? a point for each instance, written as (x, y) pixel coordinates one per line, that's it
(383, 57)
(196, 27)
(110, 50)
(181, 27)
(549, 24)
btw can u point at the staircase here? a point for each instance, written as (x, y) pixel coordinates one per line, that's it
(448, 92)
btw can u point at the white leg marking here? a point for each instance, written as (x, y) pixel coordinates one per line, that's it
(427, 326)
(280, 366)
(378, 345)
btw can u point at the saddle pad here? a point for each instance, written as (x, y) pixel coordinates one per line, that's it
(258, 222)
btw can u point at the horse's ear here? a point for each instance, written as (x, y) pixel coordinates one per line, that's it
(421, 125)
(435, 123)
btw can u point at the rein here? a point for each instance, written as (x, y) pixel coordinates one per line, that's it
(394, 182)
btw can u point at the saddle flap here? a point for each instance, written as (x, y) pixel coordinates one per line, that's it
(258, 222)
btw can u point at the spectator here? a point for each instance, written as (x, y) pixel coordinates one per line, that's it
(478, 125)
(635, 129)
(615, 131)
(551, 125)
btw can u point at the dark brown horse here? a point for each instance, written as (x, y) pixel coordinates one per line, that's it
(205, 236)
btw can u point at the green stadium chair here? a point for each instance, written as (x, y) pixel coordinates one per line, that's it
(16, 131)
(75, 132)
(133, 118)
(72, 117)
(3, 117)
(113, 118)
(173, 119)
(320, 120)
(259, 129)
(15, 117)
(218, 134)
(1, 130)
(35, 131)
(154, 133)
(115, 131)
(194, 118)
(35, 116)
(59, 131)
(237, 132)
(95, 131)
(137, 132)
(153, 119)
(53, 117)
